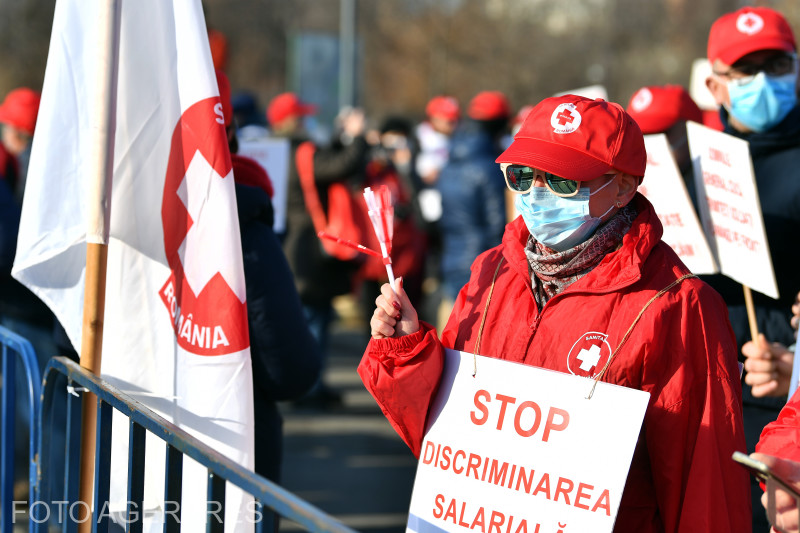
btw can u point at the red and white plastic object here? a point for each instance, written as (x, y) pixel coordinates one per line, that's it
(381, 214)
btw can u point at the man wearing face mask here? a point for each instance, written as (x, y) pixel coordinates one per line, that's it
(753, 56)
(585, 260)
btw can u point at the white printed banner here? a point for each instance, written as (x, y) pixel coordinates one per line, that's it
(727, 198)
(663, 185)
(175, 324)
(515, 448)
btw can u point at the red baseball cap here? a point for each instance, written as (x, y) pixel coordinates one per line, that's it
(286, 105)
(657, 109)
(443, 106)
(489, 105)
(748, 30)
(578, 138)
(20, 108)
(225, 96)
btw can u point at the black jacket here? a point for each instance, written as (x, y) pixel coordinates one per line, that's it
(319, 277)
(776, 163)
(286, 358)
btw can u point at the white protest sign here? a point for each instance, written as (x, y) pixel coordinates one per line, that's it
(273, 154)
(795, 371)
(520, 449)
(663, 185)
(729, 207)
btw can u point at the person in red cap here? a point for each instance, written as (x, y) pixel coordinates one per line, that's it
(754, 79)
(473, 199)
(18, 118)
(433, 136)
(318, 276)
(665, 109)
(586, 257)
(285, 113)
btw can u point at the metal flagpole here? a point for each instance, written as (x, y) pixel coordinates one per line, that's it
(347, 53)
(103, 129)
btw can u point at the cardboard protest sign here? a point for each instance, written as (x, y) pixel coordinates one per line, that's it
(273, 154)
(729, 207)
(663, 185)
(517, 448)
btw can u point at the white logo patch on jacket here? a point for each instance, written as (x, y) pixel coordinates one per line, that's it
(589, 354)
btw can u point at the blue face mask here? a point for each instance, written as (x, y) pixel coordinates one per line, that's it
(764, 101)
(559, 223)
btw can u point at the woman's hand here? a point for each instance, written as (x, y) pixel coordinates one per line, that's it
(394, 315)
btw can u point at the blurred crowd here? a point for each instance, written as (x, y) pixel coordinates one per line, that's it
(450, 204)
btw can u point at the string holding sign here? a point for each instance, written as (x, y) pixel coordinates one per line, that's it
(381, 214)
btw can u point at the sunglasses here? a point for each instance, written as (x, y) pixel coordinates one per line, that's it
(520, 179)
(778, 65)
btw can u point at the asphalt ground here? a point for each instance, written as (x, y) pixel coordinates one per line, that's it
(347, 460)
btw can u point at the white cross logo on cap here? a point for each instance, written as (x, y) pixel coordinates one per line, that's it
(565, 118)
(749, 23)
(642, 99)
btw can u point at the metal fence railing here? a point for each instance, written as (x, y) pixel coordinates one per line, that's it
(16, 349)
(53, 487)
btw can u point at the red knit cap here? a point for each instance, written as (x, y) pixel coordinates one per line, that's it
(20, 108)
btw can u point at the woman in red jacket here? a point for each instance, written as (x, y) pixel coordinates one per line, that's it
(584, 264)
(779, 448)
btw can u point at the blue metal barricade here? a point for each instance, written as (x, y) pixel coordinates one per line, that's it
(179, 444)
(14, 347)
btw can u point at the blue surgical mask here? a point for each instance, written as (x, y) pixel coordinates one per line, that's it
(763, 102)
(559, 223)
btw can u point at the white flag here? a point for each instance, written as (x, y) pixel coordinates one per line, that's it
(175, 334)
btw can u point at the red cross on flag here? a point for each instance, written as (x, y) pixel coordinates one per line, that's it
(175, 327)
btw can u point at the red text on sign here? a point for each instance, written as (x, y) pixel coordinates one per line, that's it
(474, 517)
(557, 419)
(716, 181)
(719, 156)
(729, 211)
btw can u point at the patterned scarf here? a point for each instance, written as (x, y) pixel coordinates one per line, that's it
(552, 272)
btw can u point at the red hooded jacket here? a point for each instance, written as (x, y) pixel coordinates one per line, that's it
(781, 438)
(681, 350)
